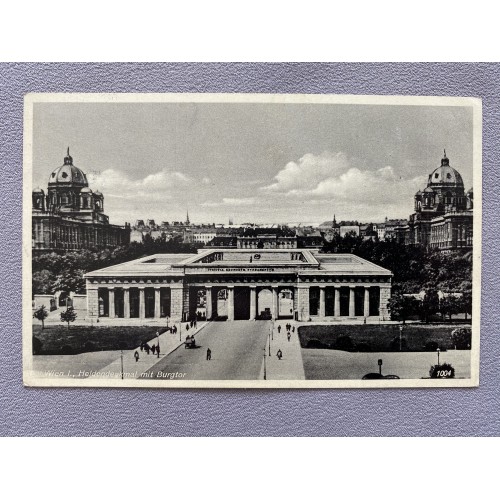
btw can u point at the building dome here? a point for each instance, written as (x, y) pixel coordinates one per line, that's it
(98, 193)
(86, 190)
(38, 190)
(68, 174)
(445, 175)
(428, 190)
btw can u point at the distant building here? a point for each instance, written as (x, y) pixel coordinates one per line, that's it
(443, 216)
(71, 216)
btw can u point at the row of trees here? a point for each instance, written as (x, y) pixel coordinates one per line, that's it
(415, 268)
(403, 307)
(54, 272)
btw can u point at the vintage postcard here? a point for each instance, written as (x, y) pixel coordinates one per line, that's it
(251, 241)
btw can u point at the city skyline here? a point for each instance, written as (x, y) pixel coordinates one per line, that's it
(252, 162)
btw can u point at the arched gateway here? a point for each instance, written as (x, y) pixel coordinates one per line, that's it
(241, 285)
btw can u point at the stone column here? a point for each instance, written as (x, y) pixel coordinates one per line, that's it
(352, 310)
(385, 295)
(337, 301)
(111, 304)
(208, 298)
(157, 303)
(142, 309)
(126, 303)
(253, 302)
(176, 299)
(367, 302)
(92, 301)
(275, 302)
(230, 303)
(322, 301)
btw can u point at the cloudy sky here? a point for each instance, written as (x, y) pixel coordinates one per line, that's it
(252, 162)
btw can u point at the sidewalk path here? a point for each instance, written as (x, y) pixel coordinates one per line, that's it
(290, 367)
(132, 368)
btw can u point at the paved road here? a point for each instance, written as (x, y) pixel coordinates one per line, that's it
(237, 352)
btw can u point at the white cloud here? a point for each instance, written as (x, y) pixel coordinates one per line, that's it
(332, 176)
(308, 172)
(234, 202)
(116, 184)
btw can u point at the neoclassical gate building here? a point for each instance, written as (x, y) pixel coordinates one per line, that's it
(239, 284)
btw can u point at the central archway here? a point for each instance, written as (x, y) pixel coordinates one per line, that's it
(285, 303)
(264, 304)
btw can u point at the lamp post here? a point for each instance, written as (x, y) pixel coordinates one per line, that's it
(121, 359)
(438, 351)
(265, 375)
(269, 344)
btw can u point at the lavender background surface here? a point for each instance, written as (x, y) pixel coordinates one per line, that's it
(116, 412)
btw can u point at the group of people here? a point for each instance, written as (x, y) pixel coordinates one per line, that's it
(155, 348)
(289, 330)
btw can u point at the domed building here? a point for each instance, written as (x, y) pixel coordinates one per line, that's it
(70, 216)
(443, 212)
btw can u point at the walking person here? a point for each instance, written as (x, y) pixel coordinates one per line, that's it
(279, 328)
(158, 350)
(209, 354)
(136, 356)
(279, 354)
(146, 348)
(153, 349)
(288, 335)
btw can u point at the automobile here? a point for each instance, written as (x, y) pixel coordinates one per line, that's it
(378, 376)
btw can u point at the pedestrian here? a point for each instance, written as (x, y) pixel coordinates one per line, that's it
(288, 335)
(195, 324)
(158, 349)
(279, 328)
(187, 327)
(136, 356)
(142, 346)
(279, 354)
(293, 329)
(209, 354)
(146, 348)
(153, 349)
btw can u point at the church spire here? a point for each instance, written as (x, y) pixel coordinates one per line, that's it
(187, 218)
(445, 161)
(67, 159)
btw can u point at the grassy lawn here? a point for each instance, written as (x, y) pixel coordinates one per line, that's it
(378, 338)
(59, 340)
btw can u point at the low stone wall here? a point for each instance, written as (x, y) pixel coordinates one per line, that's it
(45, 300)
(79, 301)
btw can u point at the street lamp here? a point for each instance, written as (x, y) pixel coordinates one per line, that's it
(438, 351)
(269, 344)
(265, 364)
(121, 356)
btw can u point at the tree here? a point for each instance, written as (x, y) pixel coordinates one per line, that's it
(402, 306)
(41, 282)
(68, 316)
(40, 314)
(429, 304)
(450, 305)
(466, 302)
(70, 281)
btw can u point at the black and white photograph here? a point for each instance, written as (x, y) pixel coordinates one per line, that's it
(251, 240)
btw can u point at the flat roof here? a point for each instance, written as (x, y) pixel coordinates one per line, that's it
(234, 261)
